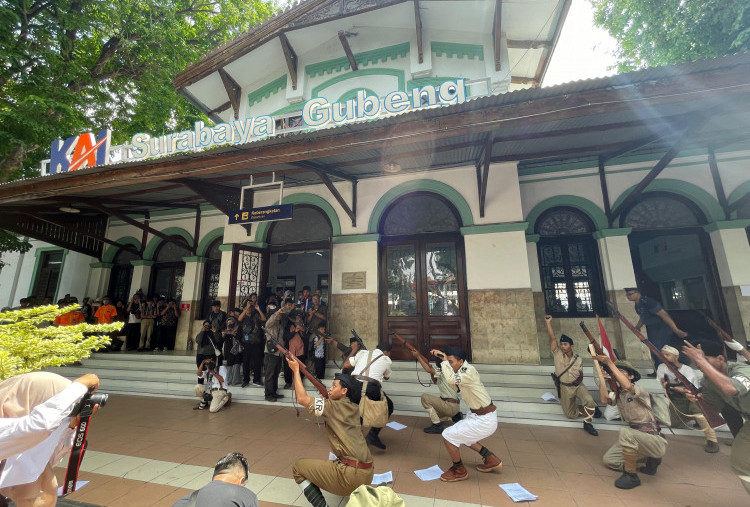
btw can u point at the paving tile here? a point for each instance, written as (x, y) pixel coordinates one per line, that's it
(180, 475)
(280, 490)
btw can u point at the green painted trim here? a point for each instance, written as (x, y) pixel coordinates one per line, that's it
(38, 258)
(492, 228)
(226, 247)
(153, 244)
(738, 193)
(533, 238)
(594, 212)
(451, 49)
(208, 239)
(705, 201)
(196, 258)
(112, 250)
(102, 265)
(39, 251)
(421, 185)
(556, 178)
(399, 74)
(256, 244)
(352, 94)
(428, 81)
(142, 263)
(261, 232)
(266, 90)
(356, 238)
(363, 59)
(612, 233)
(291, 108)
(724, 225)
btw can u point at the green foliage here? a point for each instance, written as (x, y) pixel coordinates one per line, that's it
(660, 32)
(10, 242)
(28, 341)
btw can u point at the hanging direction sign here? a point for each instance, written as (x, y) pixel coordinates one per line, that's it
(265, 214)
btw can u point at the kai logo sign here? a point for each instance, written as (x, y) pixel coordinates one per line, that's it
(79, 151)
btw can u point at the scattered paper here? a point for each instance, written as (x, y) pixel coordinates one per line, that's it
(332, 456)
(548, 396)
(79, 485)
(517, 493)
(396, 425)
(429, 474)
(382, 478)
(745, 290)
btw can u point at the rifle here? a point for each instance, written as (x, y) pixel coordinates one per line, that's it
(712, 415)
(412, 349)
(302, 368)
(600, 352)
(723, 334)
(359, 340)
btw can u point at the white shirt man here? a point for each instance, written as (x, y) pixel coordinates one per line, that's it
(214, 383)
(380, 364)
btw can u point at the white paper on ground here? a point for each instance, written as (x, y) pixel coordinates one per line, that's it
(517, 493)
(79, 485)
(381, 478)
(332, 456)
(429, 474)
(745, 290)
(396, 425)
(548, 396)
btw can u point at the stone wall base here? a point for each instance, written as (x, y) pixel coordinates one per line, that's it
(354, 311)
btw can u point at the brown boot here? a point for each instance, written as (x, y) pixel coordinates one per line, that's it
(455, 474)
(491, 463)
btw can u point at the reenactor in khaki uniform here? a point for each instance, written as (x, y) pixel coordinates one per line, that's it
(353, 466)
(730, 385)
(569, 380)
(446, 406)
(642, 437)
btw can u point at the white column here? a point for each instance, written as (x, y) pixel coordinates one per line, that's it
(141, 276)
(225, 274)
(99, 279)
(191, 295)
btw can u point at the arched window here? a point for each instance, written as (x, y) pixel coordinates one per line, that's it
(122, 275)
(211, 272)
(569, 264)
(168, 272)
(308, 225)
(419, 214)
(662, 211)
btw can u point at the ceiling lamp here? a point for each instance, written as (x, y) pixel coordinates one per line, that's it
(392, 167)
(69, 209)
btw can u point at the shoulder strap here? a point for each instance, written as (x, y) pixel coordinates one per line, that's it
(366, 370)
(193, 498)
(575, 358)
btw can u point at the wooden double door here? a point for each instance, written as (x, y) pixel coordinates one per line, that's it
(423, 295)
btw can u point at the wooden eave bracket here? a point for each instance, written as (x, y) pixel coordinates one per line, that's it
(497, 33)
(207, 191)
(418, 28)
(528, 44)
(234, 91)
(291, 58)
(323, 175)
(347, 50)
(483, 172)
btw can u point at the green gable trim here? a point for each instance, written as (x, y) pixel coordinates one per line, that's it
(737, 194)
(302, 198)
(427, 81)
(102, 265)
(612, 233)
(227, 247)
(196, 258)
(454, 49)
(724, 225)
(291, 108)
(374, 56)
(356, 238)
(266, 91)
(142, 263)
(591, 210)
(148, 254)
(492, 228)
(208, 239)
(112, 251)
(705, 201)
(422, 185)
(533, 238)
(38, 255)
(399, 74)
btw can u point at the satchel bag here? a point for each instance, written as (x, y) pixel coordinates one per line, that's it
(217, 352)
(237, 348)
(373, 413)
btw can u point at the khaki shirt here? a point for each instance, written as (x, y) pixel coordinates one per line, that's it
(562, 362)
(446, 390)
(632, 408)
(342, 427)
(467, 380)
(740, 376)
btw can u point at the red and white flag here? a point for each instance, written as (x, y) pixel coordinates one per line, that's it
(605, 340)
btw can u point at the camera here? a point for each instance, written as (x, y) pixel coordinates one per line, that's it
(210, 365)
(207, 396)
(85, 407)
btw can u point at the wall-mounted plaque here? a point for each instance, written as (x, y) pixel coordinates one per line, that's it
(354, 280)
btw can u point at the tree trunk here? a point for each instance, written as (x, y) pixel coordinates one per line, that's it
(12, 162)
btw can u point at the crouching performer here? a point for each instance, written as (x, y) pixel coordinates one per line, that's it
(642, 439)
(353, 466)
(479, 424)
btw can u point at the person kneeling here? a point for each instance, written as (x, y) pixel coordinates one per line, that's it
(211, 387)
(227, 488)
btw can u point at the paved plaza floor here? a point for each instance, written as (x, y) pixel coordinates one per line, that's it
(147, 451)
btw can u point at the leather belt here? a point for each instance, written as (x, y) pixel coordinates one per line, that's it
(365, 378)
(450, 400)
(355, 464)
(484, 410)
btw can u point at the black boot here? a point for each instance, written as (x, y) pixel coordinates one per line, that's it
(651, 465)
(589, 428)
(315, 496)
(457, 417)
(628, 481)
(373, 439)
(434, 429)
(598, 413)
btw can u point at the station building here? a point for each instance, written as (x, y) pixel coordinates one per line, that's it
(438, 190)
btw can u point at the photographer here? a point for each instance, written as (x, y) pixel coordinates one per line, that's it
(205, 343)
(211, 388)
(226, 488)
(133, 327)
(36, 431)
(232, 350)
(251, 320)
(168, 326)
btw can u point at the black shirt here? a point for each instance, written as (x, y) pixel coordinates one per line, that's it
(221, 494)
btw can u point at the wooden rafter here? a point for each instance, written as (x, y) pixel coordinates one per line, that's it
(418, 28)
(234, 91)
(291, 58)
(497, 28)
(347, 50)
(528, 44)
(524, 80)
(541, 69)
(322, 174)
(225, 199)
(219, 109)
(718, 185)
(605, 190)
(484, 174)
(77, 230)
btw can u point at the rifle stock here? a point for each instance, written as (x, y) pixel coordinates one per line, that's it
(302, 369)
(600, 352)
(723, 334)
(412, 349)
(712, 415)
